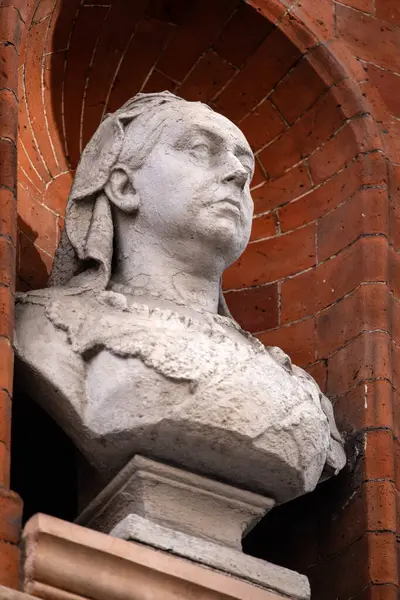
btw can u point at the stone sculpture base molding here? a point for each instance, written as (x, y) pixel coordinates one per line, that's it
(63, 561)
(192, 517)
(177, 499)
(10, 594)
(227, 560)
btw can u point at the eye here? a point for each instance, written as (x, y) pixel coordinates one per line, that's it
(247, 164)
(248, 168)
(200, 150)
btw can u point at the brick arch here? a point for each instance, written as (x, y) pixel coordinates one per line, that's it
(314, 278)
(77, 64)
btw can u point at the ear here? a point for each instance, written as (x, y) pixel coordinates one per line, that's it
(120, 190)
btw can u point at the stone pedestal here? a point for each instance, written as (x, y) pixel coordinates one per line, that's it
(63, 561)
(192, 517)
(176, 499)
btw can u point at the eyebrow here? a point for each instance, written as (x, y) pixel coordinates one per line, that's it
(239, 148)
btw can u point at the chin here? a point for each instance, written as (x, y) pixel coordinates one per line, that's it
(231, 244)
(227, 235)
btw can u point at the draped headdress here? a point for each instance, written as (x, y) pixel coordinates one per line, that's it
(85, 253)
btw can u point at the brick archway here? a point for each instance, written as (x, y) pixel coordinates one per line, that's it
(316, 278)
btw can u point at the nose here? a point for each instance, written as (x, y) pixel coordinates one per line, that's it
(236, 173)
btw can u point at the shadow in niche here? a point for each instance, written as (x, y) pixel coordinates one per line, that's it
(43, 461)
(284, 534)
(306, 531)
(32, 270)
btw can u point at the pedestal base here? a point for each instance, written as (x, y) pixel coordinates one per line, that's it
(209, 554)
(67, 562)
(192, 517)
(179, 500)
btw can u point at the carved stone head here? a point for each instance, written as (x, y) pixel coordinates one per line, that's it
(179, 172)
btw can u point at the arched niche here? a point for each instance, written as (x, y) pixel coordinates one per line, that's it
(275, 68)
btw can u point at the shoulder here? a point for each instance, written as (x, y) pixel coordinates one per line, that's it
(46, 365)
(33, 328)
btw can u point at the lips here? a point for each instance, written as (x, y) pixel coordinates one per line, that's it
(236, 203)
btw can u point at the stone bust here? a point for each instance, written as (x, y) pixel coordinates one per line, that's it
(132, 348)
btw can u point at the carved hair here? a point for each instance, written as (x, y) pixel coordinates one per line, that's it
(84, 256)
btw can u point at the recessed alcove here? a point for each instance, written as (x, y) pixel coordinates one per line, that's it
(295, 99)
(82, 59)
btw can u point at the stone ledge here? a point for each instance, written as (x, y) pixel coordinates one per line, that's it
(64, 561)
(9, 594)
(268, 576)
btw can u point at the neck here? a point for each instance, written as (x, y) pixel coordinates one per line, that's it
(146, 268)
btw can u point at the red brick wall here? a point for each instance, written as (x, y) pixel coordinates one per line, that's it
(340, 315)
(371, 31)
(319, 276)
(11, 26)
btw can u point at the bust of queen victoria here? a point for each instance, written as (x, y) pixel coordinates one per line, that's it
(132, 349)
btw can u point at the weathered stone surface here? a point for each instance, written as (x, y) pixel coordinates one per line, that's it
(224, 559)
(178, 500)
(134, 351)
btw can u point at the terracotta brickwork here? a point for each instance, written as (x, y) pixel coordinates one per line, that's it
(315, 86)
(11, 26)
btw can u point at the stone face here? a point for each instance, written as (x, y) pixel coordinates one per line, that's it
(133, 350)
